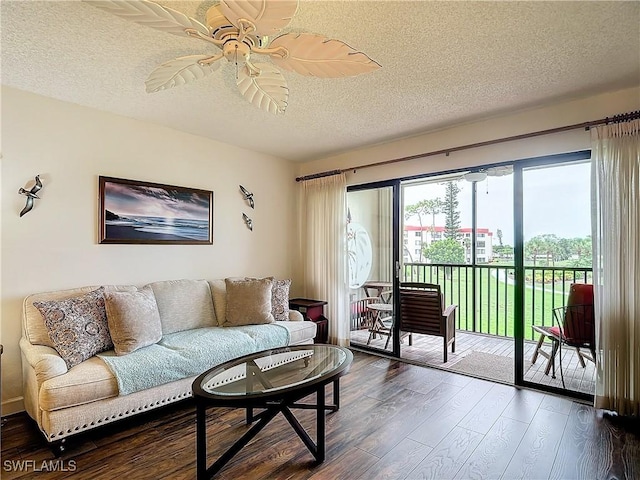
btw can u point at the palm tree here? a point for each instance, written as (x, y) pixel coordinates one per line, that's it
(533, 248)
(550, 247)
(420, 209)
(433, 207)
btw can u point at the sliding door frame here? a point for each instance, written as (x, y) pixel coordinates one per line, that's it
(518, 166)
(395, 257)
(519, 304)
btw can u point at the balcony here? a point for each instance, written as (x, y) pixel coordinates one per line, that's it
(485, 322)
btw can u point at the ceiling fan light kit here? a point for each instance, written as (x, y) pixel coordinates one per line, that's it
(475, 176)
(239, 29)
(480, 175)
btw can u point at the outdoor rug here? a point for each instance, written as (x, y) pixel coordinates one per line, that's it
(487, 365)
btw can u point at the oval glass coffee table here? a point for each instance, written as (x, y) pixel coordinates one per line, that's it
(274, 381)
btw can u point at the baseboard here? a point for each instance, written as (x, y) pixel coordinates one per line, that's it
(13, 405)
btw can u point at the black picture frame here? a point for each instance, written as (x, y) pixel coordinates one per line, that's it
(139, 212)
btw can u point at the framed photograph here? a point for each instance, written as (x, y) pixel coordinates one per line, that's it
(132, 211)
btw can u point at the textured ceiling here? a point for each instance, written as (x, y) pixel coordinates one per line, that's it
(443, 63)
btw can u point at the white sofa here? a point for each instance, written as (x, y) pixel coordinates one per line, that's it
(66, 401)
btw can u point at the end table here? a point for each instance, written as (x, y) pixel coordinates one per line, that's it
(313, 310)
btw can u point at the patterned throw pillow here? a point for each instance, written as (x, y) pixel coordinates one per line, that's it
(77, 326)
(280, 299)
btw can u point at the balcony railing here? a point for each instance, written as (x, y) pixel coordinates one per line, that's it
(485, 293)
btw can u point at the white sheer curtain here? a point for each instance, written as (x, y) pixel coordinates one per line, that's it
(323, 209)
(616, 240)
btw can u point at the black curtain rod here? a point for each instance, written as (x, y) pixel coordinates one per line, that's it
(623, 117)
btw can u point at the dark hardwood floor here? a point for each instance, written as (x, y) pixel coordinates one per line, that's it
(397, 421)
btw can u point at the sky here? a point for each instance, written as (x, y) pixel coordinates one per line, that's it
(556, 201)
(130, 200)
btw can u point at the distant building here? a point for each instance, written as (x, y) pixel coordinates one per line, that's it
(416, 237)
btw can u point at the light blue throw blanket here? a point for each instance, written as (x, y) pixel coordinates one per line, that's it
(185, 354)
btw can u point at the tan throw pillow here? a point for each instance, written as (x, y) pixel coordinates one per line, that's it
(248, 302)
(77, 326)
(133, 318)
(219, 294)
(280, 300)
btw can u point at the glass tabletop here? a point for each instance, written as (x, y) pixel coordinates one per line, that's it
(275, 370)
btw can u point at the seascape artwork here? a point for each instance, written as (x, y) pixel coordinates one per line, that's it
(138, 212)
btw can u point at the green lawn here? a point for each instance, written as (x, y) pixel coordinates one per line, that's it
(495, 307)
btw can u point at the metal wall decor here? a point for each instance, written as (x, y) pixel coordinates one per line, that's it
(248, 196)
(31, 195)
(248, 221)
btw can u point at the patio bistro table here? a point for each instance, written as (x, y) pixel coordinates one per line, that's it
(383, 323)
(272, 380)
(379, 288)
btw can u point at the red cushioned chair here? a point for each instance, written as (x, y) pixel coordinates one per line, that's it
(575, 327)
(575, 324)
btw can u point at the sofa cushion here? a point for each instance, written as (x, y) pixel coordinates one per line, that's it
(133, 318)
(300, 332)
(248, 302)
(77, 326)
(280, 299)
(184, 304)
(87, 382)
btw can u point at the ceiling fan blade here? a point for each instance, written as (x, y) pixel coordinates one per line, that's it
(152, 15)
(318, 56)
(267, 91)
(268, 16)
(180, 71)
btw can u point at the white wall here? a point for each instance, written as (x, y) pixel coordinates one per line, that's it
(56, 245)
(543, 118)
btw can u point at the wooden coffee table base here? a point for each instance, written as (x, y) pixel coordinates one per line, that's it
(271, 409)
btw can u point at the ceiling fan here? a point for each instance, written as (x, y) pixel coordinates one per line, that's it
(239, 29)
(480, 175)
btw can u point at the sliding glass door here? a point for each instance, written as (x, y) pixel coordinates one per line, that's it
(557, 272)
(463, 226)
(505, 245)
(372, 252)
